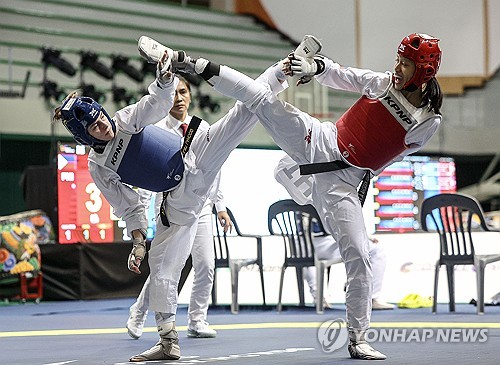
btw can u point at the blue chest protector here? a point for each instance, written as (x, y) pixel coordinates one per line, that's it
(150, 159)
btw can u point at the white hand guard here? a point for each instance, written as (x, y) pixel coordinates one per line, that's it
(137, 254)
(303, 67)
(164, 73)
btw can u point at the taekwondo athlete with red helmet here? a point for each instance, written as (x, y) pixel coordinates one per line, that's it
(397, 114)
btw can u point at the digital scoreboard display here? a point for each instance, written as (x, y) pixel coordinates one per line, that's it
(84, 214)
(398, 192)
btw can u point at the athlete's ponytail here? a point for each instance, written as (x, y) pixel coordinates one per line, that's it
(433, 97)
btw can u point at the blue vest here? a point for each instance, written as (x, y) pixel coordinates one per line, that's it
(150, 159)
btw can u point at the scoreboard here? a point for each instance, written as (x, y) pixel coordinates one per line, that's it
(84, 214)
(398, 192)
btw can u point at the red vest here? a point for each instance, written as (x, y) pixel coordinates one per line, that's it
(372, 132)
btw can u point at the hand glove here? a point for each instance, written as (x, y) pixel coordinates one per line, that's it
(164, 73)
(301, 66)
(304, 67)
(137, 254)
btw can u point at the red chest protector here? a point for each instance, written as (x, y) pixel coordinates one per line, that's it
(372, 132)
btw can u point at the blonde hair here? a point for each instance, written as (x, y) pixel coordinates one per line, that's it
(57, 111)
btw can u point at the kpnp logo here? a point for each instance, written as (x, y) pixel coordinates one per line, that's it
(332, 335)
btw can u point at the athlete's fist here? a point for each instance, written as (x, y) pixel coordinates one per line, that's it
(137, 254)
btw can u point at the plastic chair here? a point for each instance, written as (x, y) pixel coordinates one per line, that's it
(294, 222)
(23, 286)
(223, 260)
(452, 216)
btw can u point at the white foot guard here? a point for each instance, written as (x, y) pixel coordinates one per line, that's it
(309, 46)
(151, 50)
(163, 350)
(166, 349)
(363, 351)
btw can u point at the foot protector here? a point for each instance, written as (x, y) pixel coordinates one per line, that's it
(363, 351)
(151, 50)
(309, 46)
(165, 349)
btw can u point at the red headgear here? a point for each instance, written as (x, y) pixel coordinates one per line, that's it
(424, 51)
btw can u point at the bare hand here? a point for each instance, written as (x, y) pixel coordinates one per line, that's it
(225, 221)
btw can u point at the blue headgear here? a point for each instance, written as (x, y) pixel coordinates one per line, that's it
(78, 114)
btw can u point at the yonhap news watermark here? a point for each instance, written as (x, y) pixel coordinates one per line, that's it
(448, 335)
(333, 335)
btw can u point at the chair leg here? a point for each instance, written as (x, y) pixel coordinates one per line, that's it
(282, 277)
(234, 287)
(214, 289)
(436, 281)
(320, 281)
(24, 287)
(450, 270)
(480, 266)
(300, 284)
(261, 269)
(39, 287)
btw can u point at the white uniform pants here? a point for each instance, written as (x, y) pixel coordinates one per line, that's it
(306, 140)
(203, 266)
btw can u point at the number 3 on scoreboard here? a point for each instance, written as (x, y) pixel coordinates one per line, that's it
(95, 203)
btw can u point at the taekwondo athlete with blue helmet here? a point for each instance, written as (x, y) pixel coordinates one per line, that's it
(187, 176)
(115, 141)
(203, 253)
